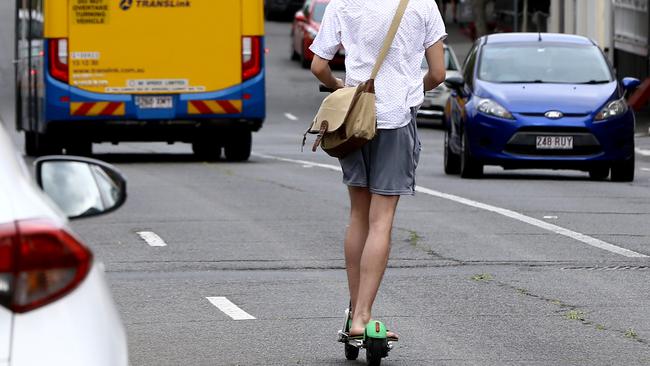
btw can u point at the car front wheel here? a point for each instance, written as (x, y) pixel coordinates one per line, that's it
(452, 160)
(623, 171)
(469, 166)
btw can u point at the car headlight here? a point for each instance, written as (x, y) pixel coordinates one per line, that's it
(612, 109)
(492, 108)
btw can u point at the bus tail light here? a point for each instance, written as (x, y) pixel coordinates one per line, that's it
(251, 57)
(40, 262)
(58, 59)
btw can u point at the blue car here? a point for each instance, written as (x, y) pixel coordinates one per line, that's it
(539, 101)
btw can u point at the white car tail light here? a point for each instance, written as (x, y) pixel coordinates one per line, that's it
(40, 262)
(251, 57)
(58, 58)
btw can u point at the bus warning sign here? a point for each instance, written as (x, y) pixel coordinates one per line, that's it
(90, 12)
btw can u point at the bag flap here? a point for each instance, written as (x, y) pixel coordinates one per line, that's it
(334, 109)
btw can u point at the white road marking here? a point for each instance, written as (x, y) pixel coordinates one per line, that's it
(586, 239)
(642, 152)
(291, 116)
(550, 217)
(230, 309)
(152, 238)
(303, 162)
(645, 169)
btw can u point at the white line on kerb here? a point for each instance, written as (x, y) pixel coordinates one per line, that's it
(230, 309)
(498, 210)
(152, 238)
(642, 152)
(291, 116)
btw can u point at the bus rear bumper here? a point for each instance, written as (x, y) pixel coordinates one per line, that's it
(74, 113)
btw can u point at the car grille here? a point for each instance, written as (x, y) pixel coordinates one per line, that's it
(574, 115)
(524, 142)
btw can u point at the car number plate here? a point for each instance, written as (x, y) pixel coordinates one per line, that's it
(554, 142)
(154, 102)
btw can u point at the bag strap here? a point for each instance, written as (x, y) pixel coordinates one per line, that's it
(401, 9)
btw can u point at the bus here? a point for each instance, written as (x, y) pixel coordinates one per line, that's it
(96, 71)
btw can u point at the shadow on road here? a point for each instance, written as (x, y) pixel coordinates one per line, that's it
(539, 177)
(158, 158)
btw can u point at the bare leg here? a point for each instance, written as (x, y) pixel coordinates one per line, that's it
(374, 258)
(355, 237)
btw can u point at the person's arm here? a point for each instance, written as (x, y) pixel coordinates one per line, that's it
(435, 56)
(325, 46)
(321, 69)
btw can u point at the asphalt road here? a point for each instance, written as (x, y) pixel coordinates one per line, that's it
(506, 270)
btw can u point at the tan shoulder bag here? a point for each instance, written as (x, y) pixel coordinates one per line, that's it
(347, 119)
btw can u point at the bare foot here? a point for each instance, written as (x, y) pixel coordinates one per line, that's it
(391, 335)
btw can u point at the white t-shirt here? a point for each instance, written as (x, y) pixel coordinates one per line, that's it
(361, 27)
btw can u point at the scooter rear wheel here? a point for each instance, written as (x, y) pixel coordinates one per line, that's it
(351, 352)
(376, 349)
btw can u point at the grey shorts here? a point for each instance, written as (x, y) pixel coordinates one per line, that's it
(386, 165)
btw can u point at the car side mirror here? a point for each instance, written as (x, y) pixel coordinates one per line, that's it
(300, 17)
(81, 187)
(456, 83)
(629, 84)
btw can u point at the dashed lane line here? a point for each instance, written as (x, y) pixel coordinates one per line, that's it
(642, 152)
(291, 117)
(586, 239)
(152, 238)
(229, 308)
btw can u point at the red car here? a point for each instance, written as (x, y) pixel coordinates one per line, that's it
(306, 24)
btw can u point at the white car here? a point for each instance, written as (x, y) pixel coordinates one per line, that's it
(55, 304)
(435, 100)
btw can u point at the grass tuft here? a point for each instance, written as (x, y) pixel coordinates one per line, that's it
(575, 315)
(414, 238)
(483, 277)
(631, 333)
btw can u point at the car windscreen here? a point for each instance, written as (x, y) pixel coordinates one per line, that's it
(450, 65)
(318, 11)
(543, 63)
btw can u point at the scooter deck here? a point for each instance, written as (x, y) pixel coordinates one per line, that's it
(343, 337)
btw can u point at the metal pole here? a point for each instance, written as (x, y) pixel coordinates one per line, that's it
(516, 15)
(524, 27)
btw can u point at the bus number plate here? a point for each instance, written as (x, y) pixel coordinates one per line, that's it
(154, 102)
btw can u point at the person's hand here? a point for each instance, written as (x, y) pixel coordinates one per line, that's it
(339, 84)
